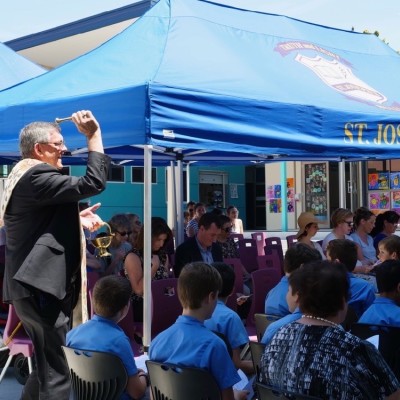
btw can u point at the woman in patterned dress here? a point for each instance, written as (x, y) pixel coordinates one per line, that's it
(314, 355)
(133, 263)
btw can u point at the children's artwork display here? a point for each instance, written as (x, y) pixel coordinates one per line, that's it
(274, 197)
(385, 191)
(395, 180)
(316, 195)
(373, 181)
(379, 201)
(396, 200)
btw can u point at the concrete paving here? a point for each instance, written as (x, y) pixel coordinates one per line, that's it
(10, 389)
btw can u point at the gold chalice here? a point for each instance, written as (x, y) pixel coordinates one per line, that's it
(103, 241)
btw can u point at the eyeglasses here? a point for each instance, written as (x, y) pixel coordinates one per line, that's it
(190, 209)
(124, 233)
(59, 144)
(349, 223)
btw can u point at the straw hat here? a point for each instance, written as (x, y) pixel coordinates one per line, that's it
(304, 219)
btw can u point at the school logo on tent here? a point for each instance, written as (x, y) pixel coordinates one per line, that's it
(335, 72)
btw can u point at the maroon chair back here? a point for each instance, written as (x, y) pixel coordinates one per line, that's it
(259, 237)
(274, 243)
(166, 307)
(171, 263)
(236, 236)
(263, 281)
(271, 261)
(248, 254)
(291, 240)
(238, 288)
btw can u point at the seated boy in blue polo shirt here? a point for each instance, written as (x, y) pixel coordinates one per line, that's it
(275, 301)
(111, 300)
(226, 321)
(362, 293)
(385, 310)
(188, 342)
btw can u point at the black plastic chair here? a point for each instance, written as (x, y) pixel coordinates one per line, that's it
(269, 393)
(256, 350)
(262, 321)
(389, 342)
(174, 382)
(95, 375)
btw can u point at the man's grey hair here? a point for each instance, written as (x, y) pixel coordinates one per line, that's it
(35, 132)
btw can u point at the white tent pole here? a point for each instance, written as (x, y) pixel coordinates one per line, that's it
(147, 310)
(342, 184)
(171, 197)
(284, 214)
(179, 202)
(188, 182)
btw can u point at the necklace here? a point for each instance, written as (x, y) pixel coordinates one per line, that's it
(319, 319)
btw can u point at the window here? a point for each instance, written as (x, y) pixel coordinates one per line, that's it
(212, 188)
(138, 175)
(116, 173)
(5, 170)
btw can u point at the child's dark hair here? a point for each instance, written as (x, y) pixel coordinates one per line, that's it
(110, 295)
(345, 251)
(196, 281)
(228, 278)
(388, 276)
(322, 287)
(299, 254)
(391, 244)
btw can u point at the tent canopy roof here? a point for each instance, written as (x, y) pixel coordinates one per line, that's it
(193, 74)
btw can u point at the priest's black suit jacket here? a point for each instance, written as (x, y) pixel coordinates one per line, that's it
(43, 250)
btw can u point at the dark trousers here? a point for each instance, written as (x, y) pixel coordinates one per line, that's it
(45, 319)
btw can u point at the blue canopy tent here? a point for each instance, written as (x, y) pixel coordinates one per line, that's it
(193, 74)
(15, 69)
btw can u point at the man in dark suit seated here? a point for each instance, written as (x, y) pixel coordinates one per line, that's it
(203, 246)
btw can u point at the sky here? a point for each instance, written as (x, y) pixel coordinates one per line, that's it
(23, 17)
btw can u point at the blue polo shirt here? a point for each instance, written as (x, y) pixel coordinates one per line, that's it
(383, 311)
(362, 294)
(275, 301)
(276, 325)
(226, 321)
(102, 334)
(189, 343)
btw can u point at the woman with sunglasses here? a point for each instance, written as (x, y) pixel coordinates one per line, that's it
(385, 225)
(133, 263)
(342, 224)
(119, 246)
